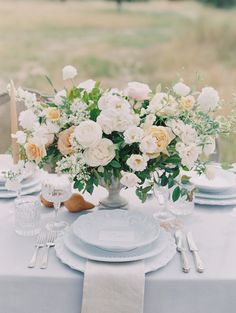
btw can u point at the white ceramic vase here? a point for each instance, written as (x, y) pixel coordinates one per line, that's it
(114, 200)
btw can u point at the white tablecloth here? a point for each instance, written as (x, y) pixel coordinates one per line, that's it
(59, 289)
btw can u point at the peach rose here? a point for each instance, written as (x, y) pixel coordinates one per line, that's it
(53, 114)
(64, 141)
(35, 152)
(187, 102)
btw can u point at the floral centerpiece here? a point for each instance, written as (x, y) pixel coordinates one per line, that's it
(120, 138)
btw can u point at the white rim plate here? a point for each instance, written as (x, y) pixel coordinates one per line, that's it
(11, 194)
(116, 230)
(92, 253)
(78, 263)
(215, 202)
(230, 194)
(27, 183)
(224, 180)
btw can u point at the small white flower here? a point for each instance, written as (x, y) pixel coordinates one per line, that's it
(58, 98)
(188, 135)
(138, 91)
(20, 137)
(78, 105)
(129, 179)
(210, 172)
(208, 99)
(28, 119)
(69, 72)
(210, 146)
(133, 134)
(88, 134)
(181, 89)
(87, 85)
(188, 154)
(148, 145)
(137, 162)
(163, 104)
(100, 155)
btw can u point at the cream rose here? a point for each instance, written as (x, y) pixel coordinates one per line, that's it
(187, 102)
(129, 179)
(35, 152)
(138, 91)
(100, 155)
(137, 162)
(88, 134)
(64, 141)
(53, 114)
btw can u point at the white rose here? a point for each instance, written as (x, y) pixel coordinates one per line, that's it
(163, 104)
(129, 179)
(138, 91)
(208, 99)
(188, 135)
(210, 172)
(28, 119)
(148, 145)
(133, 134)
(20, 137)
(150, 119)
(176, 126)
(210, 146)
(137, 162)
(52, 128)
(100, 155)
(88, 134)
(105, 123)
(188, 154)
(69, 72)
(113, 104)
(181, 89)
(87, 85)
(156, 104)
(58, 98)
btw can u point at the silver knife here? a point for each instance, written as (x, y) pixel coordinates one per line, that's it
(194, 249)
(182, 250)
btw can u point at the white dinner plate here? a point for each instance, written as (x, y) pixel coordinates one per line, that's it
(215, 202)
(78, 263)
(26, 183)
(12, 194)
(76, 246)
(228, 194)
(224, 180)
(116, 230)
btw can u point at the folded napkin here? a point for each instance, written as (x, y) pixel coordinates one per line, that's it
(113, 287)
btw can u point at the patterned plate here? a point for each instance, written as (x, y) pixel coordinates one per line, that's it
(78, 263)
(116, 230)
(92, 253)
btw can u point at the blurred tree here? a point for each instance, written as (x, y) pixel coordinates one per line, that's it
(220, 3)
(119, 2)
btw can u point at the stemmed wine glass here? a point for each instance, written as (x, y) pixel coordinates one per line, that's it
(56, 189)
(162, 195)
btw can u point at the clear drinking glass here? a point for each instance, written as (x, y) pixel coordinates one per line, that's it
(27, 216)
(56, 189)
(162, 195)
(181, 207)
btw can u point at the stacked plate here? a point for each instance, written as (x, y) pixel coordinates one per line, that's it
(115, 236)
(30, 183)
(220, 191)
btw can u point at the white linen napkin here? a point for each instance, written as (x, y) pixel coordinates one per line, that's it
(113, 287)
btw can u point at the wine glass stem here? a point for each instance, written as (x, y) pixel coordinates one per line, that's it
(56, 209)
(18, 193)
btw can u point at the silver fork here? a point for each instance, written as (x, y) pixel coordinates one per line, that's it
(52, 235)
(40, 242)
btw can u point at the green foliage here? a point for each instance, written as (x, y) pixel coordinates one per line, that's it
(220, 3)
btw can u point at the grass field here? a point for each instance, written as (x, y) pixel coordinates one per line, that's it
(151, 42)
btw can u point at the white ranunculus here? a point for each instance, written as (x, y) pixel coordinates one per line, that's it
(113, 104)
(181, 89)
(137, 162)
(58, 98)
(87, 85)
(148, 145)
(210, 146)
(188, 154)
(129, 179)
(28, 119)
(188, 135)
(100, 155)
(88, 134)
(20, 137)
(69, 72)
(138, 91)
(208, 99)
(210, 172)
(133, 134)
(111, 121)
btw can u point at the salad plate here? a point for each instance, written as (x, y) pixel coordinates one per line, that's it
(76, 246)
(79, 263)
(26, 183)
(224, 180)
(215, 202)
(228, 194)
(116, 230)
(27, 191)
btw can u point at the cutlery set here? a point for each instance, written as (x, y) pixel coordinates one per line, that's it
(181, 247)
(44, 240)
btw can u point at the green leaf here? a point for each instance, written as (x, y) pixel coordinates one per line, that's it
(185, 179)
(171, 183)
(176, 194)
(78, 185)
(94, 113)
(164, 180)
(115, 164)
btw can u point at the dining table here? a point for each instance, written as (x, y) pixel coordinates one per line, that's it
(59, 289)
